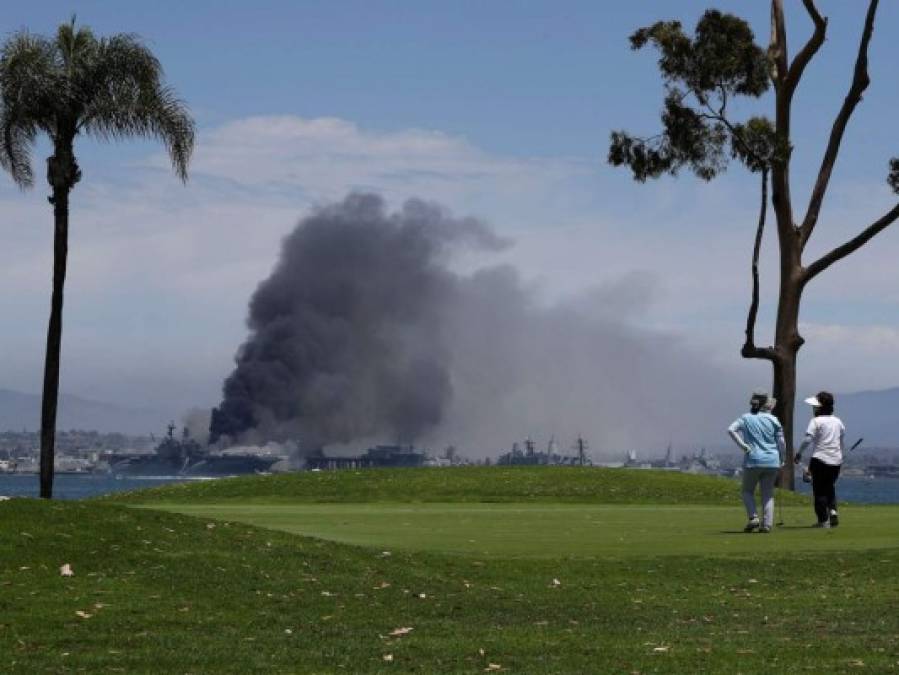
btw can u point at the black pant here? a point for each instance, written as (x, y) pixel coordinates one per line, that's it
(824, 479)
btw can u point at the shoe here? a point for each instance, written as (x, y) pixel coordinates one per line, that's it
(822, 523)
(764, 529)
(834, 518)
(752, 525)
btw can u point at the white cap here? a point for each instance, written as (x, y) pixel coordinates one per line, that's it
(813, 401)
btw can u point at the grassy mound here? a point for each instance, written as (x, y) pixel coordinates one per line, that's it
(460, 484)
(160, 592)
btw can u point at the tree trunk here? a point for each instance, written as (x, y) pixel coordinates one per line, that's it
(785, 393)
(787, 342)
(62, 174)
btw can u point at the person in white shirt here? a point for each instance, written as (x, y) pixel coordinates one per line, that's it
(825, 434)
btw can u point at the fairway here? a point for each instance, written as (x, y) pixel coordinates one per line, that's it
(556, 530)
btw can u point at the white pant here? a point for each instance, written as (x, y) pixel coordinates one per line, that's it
(764, 477)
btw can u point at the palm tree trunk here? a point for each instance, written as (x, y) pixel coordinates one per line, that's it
(61, 168)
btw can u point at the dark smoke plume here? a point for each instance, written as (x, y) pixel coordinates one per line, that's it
(347, 334)
(363, 334)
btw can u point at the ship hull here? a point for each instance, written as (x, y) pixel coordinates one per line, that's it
(205, 467)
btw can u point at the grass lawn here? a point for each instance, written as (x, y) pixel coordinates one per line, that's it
(547, 585)
(557, 530)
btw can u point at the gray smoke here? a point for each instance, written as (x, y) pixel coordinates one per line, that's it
(347, 336)
(196, 421)
(363, 333)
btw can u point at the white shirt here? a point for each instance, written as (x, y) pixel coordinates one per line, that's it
(826, 433)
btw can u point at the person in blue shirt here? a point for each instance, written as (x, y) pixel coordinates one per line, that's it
(760, 436)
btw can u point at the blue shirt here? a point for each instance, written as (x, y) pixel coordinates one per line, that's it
(760, 432)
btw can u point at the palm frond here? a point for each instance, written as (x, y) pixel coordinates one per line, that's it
(75, 47)
(16, 140)
(28, 83)
(125, 97)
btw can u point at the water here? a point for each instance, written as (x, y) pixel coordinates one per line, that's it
(78, 486)
(859, 490)
(853, 489)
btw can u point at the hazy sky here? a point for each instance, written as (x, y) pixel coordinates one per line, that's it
(501, 110)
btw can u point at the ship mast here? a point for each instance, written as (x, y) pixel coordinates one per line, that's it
(581, 446)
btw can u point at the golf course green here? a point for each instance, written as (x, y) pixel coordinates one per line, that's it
(527, 570)
(555, 530)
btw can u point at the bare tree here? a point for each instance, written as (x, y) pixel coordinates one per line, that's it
(702, 75)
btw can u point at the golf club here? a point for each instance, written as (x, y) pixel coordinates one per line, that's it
(855, 445)
(780, 513)
(780, 504)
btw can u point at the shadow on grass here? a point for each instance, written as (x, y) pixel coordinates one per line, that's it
(779, 526)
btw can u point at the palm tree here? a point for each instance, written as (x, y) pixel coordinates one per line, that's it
(106, 88)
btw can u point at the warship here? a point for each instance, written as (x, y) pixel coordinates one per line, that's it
(186, 457)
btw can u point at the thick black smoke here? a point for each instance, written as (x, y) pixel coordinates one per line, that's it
(347, 338)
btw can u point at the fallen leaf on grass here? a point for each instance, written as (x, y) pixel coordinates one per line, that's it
(388, 657)
(82, 614)
(556, 582)
(493, 666)
(856, 663)
(66, 570)
(661, 649)
(405, 630)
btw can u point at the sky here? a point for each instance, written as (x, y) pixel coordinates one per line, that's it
(499, 110)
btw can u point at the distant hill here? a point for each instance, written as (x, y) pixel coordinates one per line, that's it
(868, 414)
(20, 411)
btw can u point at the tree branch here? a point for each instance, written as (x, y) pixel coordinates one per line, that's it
(780, 167)
(850, 246)
(860, 81)
(749, 350)
(777, 48)
(811, 47)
